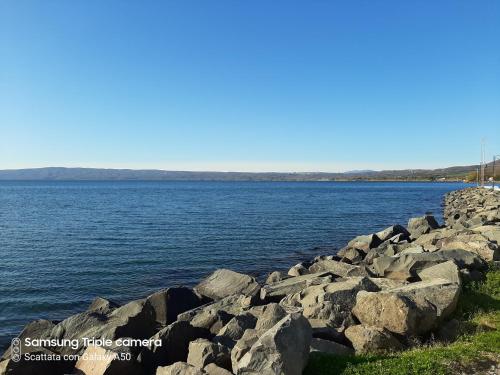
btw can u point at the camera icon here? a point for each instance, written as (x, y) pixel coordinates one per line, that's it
(16, 350)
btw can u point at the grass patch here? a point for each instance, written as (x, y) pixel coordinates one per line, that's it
(476, 349)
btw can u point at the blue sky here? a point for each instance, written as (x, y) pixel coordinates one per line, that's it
(249, 85)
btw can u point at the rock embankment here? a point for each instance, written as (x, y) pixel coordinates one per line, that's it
(382, 292)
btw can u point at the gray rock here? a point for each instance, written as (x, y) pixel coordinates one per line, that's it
(441, 293)
(353, 255)
(371, 340)
(412, 309)
(202, 352)
(284, 349)
(475, 243)
(232, 305)
(179, 368)
(330, 347)
(329, 303)
(415, 249)
(385, 284)
(223, 283)
(275, 292)
(235, 328)
(276, 276)
(393, 231)
(462, 258)
(491, 232)
(365, 242)
(428, 241)
(298, 270)
(175, 339)
(38, 367)
(406, 266)
(242, 346)
(102, 306)
(38, 329)
(418, 226)
(213, 369)
(169, 303)
(447, 270)
(105, 361)
(338, 268)
(136, 320)
(271, 315)
(375, 253)
(213, 320)
(402, 267)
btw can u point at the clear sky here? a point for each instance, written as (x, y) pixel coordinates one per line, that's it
(249, 85)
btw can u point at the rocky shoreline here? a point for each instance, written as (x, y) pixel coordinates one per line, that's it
(383, 292)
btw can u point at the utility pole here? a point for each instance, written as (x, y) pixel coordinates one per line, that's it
(477, 177)
(493, 180)
(494, 174)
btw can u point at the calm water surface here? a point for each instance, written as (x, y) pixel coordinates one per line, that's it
(63, 243)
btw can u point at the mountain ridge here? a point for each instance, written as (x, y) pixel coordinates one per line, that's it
(80, 173)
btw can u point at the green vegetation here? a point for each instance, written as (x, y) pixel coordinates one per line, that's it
(477, 348)
(472, 176)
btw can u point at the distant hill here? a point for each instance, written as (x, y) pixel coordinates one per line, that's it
(60, 173)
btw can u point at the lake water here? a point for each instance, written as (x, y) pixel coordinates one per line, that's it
(63, 243)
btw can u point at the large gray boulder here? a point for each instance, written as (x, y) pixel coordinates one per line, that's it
(271, 315)
(408, 310)
(329, 303)
(175, 339)
(473, 242)
(276, 291)
(447, 270)
(38, 329)
(365, 242)
(462, 258)
(213, 320)
(402, 266)
(39, 367)
(203, 352)
(491, 232)
(407, 266)
(428, 241)
(351, 255)
(136, 319)
(371, 339)
(97, 360)
(213, 369)
(418, 226)
(179, 368)
(223, 283)
(242, 346)
(284, 349)
(338, 268)
(393, 231)
(276, 276)
(102, 306)
(170, 302)
(235, 328)
(232, 305)
(298, 270)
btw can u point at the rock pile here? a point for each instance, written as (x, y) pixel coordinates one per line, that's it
(377, 294)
